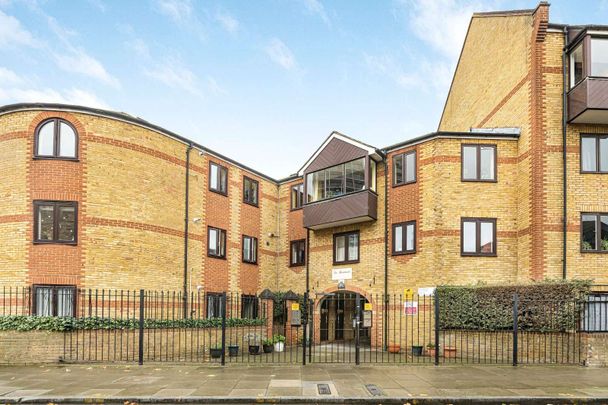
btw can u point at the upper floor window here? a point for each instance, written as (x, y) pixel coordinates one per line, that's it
(297, 196)
(594, 232)
(55, 222)
(336, 180)
(404, 238)
(594, 153)
(297, 255)
(218, 178)
(250, 191)
(250, 249)
(478, 237)
(346, 247)
(404, 168)
(249, 306)
(599, 57)
(478, 163)
(56, 138)
(216, 242)
(576, 65)
(54, 300)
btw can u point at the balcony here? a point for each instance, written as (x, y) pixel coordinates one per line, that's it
(360, 206)
(588, 101)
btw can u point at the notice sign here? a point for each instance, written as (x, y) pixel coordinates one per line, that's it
(342, 274)
(295, 306)
(410, 308)
(408, 294)
(367, 306)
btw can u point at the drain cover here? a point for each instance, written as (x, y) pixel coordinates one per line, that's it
(374, 390)
(323, 389)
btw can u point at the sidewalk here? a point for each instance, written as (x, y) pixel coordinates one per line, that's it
(296, 384)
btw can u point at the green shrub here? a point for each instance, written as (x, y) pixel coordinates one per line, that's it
(547, 306)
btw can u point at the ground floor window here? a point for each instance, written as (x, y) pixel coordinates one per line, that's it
(54, 300)
(594, 232)
(214, 305)
(478, 237)
(595, 314)
(249, 306)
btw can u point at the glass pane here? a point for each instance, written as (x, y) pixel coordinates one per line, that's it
(222, 243)
(398, 169)
(398, 239)
(46, 139)
(604, 232)
(589, 232)
(340, 248)
(604, 154)
(316, 186)
(599, 57)
(487, 237)
(247, 249)
(469, 162)
(372, 174)
(410, 167)
(469, 237)
(294, 253)
(223, 179)
(254, 250)
(355, 175)
(576, 65)
(301, 252)
(353, 247)
(44, 301)
(409, 237)
(588, 154)
(213, 241)
(294, 197)
(487, 162)
(45, 222)
(335, 181)
(213, 178)
(65, 301)
(67, 223)
(67, 141)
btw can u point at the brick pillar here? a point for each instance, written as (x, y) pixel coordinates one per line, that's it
(268, 304)
(290, 331)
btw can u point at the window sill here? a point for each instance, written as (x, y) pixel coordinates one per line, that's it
(395, 185)
(590, 172)
(68, 159)
(347, 262)
(252, 204)
(218, 192)
(478, 254)
(594, 251)
(251, 263)
(412, 252)
(478, 181)
(297, 265)
(216, 257)
(42, 242)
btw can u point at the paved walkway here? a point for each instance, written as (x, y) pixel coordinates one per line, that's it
(295, 384)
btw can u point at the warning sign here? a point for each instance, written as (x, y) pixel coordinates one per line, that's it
(408, 294)
(295, 306)
(367, 306)
(410, 308)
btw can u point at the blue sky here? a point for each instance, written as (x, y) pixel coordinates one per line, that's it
(263, 82)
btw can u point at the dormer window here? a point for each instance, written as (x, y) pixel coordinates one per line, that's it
(56, 139)
(335, 181)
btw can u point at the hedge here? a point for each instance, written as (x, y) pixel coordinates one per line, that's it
(543, 306)
(60, 324)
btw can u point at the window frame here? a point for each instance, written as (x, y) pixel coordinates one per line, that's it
(582, 43)
(221, 232)
(254, 242)
(213, 296)
(404, 251)
(56, 204)
(252, 299)
(403, 156)
(303, 199)
(478, 178)
(257, 191)
(478, 221)
(598, 232)
(297, 263)
(54, 301)
(346, 247)
(598, 165)
(220, 168)
(56, 140)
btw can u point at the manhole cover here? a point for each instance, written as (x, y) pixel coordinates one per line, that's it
(374, 390)
(323, 389)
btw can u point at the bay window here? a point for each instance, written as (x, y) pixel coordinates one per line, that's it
(337, 180)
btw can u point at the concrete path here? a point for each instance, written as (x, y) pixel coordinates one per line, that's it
(296, 384)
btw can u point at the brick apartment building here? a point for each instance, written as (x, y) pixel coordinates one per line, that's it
(511, 188)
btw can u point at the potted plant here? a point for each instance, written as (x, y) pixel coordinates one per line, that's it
(216, 351)
(449, 352)
(233, 350)
(254, 343)
(268, 345)
(430, 349)
(394, 347)
(416, 350)
(279, 343)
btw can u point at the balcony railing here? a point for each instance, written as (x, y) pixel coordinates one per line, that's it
(352, 208)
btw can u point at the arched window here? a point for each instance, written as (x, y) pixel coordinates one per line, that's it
(56, 138)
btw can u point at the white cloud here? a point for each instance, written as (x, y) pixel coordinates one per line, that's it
(98, 4)
(8, 77)
(139, 46)
(78, 61)
(182, 14)
(173, 74)
(213, 87)
(12, 33)
(281, 54)
(228, 22)
(316, 7)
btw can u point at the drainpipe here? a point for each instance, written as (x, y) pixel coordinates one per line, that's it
(307, 259)
(565, 154)
(186, 223)
(386, 300)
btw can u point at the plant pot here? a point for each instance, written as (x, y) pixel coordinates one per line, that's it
(449, 352)
(416, 350)
(430, 352)
(254, 349)
(279, 346)
(215, 353)
(268, 348)
(233, 350)
(394, 348)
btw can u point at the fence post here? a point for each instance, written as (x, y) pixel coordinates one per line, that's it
(357, 324)
(515, 327)
(141, 327)
(223, 304)
(304, 317)
(436, 297)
